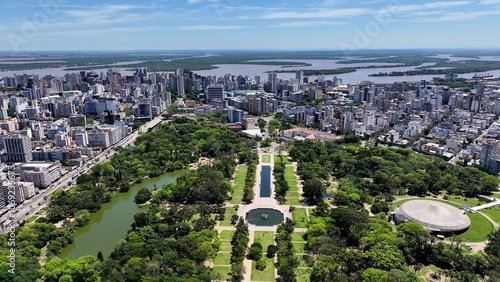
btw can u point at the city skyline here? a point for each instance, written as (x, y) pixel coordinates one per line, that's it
(237, 24)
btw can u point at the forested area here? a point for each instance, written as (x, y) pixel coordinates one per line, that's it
(345, 244)
(383, 171)
(168, 242)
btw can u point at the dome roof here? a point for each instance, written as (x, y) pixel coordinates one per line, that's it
(433, 215)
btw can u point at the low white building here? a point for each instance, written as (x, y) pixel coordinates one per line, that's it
(40, 174)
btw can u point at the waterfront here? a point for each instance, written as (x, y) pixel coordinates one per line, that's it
(110, 224)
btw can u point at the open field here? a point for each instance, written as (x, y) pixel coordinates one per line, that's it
(479, 229)
(226, 235)
(266, 159)
(292, 196)
(493, 213)
(239, 184)
(265, 238)
(265, 275)
(222, 259)
(300, 216)
(223, 272)
(227, 216)
(284, 159)
(225, 246)
(297, 236)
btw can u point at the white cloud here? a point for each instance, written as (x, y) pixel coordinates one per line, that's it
(306, 24)
(461, 16)
(430, 5)
(211, 27)
(336, 13)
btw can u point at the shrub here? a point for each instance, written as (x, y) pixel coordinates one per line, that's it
(261, 265)
(255, 253)
(271, 251)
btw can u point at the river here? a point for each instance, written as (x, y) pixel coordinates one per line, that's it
(262, 70)
(110, 224)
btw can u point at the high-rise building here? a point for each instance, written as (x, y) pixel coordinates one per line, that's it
(300, 76)
(488, 151)
(215, 92)
(180, 85)
(18, 148)
(273, 80)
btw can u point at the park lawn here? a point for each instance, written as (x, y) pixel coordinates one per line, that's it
(265, 238)
(479, 229)
(265, 275)
(225, 246)
(284, 159)
(303, 275)
(297, 236)
(299, 248)
(266, 159)
(222, 259)
(496, 195)
(461, 200)
(239, 184)
(227, 217)
(226, 235)
(493, 213)
(223, 271)
(300, 217)
(31, 219)
(293, 202)
(291, 194)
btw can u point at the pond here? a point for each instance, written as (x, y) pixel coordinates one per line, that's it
(110, 224)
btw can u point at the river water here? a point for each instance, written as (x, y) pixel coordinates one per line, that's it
(262, 70)
(110, 224)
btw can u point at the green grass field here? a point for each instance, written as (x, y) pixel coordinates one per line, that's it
(225, 246)
(222, 272)
(284, 159)
(292, 196)
(479, 229)
(300, 216)
(266, 159)
(461, 200)
(493, 213)
(226, 235)
(239, 184)
(265, 238)
(297, 236)
(227, 217)
(480, 226)
(222, 259)
(265, 275)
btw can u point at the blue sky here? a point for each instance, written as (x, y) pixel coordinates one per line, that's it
(242, 24)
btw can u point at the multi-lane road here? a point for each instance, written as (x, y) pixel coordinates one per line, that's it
(39, 201)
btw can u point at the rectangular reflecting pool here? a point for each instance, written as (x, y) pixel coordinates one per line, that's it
(265, 182)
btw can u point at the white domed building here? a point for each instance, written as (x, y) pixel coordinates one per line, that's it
(434, 216)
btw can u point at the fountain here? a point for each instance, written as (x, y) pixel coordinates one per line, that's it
(265, 217)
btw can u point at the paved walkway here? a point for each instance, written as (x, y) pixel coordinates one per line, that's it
(488, 205)
(263, 202)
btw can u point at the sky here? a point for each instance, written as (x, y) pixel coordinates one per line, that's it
(248, 25)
